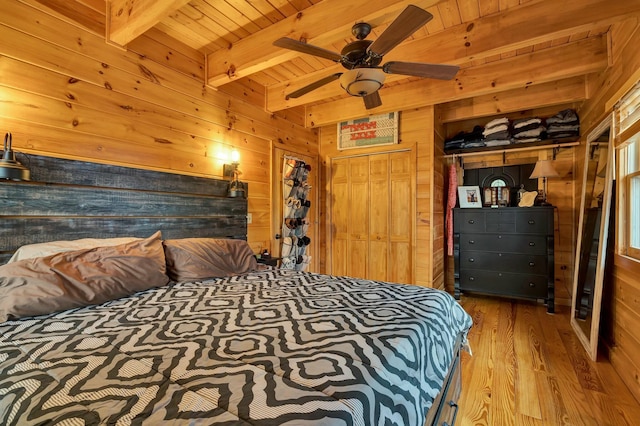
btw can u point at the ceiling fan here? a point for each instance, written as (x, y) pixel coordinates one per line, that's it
(362, 58)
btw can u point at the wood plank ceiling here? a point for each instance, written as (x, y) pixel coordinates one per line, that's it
(501, 46)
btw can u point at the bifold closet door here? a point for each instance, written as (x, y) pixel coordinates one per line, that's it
(371, 217)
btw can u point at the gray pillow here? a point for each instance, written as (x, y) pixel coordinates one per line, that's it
(79, 278)
(191, 259)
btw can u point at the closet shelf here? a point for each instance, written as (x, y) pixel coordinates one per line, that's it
(543, 144)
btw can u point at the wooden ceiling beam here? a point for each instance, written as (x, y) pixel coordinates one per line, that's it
(570, 60)
(518, 27)
(321, 24)
(127, 19)
(557, 92)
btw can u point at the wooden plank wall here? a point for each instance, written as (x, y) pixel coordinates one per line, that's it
(622, 313)
(65, 93)
(68, 200)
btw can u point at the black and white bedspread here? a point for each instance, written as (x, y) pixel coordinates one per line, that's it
(267, 348)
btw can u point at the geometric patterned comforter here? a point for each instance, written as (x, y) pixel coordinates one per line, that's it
(267, 348)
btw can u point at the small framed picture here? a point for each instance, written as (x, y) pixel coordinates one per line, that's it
(469, 196)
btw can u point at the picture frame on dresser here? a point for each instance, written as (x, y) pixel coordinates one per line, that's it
(470, 197)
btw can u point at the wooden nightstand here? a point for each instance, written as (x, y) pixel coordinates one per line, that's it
(270, 261)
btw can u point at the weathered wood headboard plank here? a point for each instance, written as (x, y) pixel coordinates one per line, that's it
(68, 200)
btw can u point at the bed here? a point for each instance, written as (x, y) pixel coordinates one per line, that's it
(207, 336)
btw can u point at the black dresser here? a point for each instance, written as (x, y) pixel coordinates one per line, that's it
(506, 251)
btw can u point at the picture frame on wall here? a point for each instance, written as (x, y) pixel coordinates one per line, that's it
(374, 130)
(469, 197)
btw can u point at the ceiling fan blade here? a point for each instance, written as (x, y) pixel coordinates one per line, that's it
(298, 46)
(411, 18)
(419, 69)
(313, 86)
(372, 100)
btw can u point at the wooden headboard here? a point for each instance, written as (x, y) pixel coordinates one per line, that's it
(67, 200)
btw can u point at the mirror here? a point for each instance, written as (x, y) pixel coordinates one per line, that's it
(593, 230)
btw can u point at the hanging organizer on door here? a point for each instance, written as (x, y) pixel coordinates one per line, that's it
(295, 223)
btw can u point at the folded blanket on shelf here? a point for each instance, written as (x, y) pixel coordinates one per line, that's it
(526, 123)
(525, 140)
(566, 116)
(474, 144)
(497, 142)
(463, 139)
(497, 122)
(539, 133)
(503, 134)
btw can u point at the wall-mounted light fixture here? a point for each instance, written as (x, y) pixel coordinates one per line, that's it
(229, 169)
(10, 168)
(236, 188)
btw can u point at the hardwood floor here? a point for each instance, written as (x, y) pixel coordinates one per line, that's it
(528, 368)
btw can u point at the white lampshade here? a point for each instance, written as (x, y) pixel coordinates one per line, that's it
(362, 81)
(544, 169)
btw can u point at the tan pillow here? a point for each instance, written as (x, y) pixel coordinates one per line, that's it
(30, 251)
(190, 259)
(79, 278)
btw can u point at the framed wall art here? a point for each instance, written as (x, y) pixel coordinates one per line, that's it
(469, 197)
(381, 129)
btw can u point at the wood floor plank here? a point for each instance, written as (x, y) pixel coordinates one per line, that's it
(479, 371)
(569, 404)
(503, 393)
(529, 361)
(529, 368)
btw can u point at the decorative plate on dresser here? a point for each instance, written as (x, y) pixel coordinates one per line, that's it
(506, 251)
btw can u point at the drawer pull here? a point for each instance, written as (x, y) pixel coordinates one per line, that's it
(531, 244)
(471, 221)
(532, 264)
(455, 413)
(532, 285)
(471, 259)
(472, 279)
(532, 222)
(472, 242)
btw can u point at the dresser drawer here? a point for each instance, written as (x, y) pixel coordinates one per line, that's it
(500, 220)
(535, 222)
(471, 220)
(503, 262)
(504, 283)
(527, 244)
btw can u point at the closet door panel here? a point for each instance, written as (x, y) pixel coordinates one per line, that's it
(357, 259)
(400, 263)
(400, 218)
(379, 217)
(358, 210)
(339, 217)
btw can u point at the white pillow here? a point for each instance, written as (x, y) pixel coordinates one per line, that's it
(31, 251)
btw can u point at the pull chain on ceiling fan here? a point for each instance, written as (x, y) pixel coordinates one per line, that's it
(362, 58)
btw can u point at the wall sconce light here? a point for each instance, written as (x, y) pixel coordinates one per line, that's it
(228, 169)
(236, 188)
(544, 169)
(10, 168)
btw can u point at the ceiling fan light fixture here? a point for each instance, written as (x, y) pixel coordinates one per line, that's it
(362, 81)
